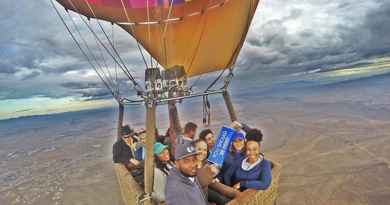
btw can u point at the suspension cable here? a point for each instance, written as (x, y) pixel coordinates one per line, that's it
(163, 37)
(215, 81)
(196, 82)
(121, 64)
(109, 52)
(115, 65)
(133, 31)
(149, 38)
(81, 49)
(105, 62)
(204, 22)
(109, 78)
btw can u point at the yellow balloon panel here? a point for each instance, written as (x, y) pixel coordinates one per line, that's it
(201, 43)
(201, 35)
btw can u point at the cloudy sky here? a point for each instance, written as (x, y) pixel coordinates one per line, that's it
(42, 71)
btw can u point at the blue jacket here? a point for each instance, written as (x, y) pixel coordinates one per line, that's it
(230, 159)
(180, 190)
(259, 177)
(139, 153)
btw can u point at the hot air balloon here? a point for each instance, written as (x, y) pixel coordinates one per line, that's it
(179, 32)
(185, 38)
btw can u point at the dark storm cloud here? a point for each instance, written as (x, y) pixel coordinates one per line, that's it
(80, 85)
(304, 36)
(91, 91)
(38, 57)
(377, 28)
(7, 68)
(31, 75)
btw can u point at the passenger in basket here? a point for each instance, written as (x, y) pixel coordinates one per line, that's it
(124, 153)
(140, 147)
(251, 134)
(201, 148)
(124, 148)
(161, 170)
(206, 174)
(189, 134)
(182, 185)
(252, 172)
(208, 136)
(235, 154)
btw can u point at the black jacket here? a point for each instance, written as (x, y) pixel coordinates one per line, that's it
(121, 152)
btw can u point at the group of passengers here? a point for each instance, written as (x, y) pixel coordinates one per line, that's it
(182, 174)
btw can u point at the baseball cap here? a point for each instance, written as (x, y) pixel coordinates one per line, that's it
(158, 148)
(126, 130)
(185, 150)
(238, 136)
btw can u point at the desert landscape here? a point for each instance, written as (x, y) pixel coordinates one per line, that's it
(333, 141)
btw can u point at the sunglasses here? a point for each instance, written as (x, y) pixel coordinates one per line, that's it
(126, 136)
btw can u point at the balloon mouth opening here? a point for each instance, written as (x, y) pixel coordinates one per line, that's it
(171, 82)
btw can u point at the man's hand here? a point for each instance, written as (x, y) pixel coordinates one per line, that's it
(237, 186)
(134, 162)
(140, 130)
(236, 125)
(215, 170)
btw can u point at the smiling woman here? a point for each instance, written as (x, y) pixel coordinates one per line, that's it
(43, 105)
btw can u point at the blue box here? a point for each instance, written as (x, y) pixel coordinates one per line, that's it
(221, 146)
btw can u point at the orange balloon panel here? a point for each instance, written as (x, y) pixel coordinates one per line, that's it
(201, 35)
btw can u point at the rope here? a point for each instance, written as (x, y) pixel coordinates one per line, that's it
(117, 54)
(163, 38)
(143, 197)
(206, 111)
(124, 68)
(115, 65)
(149, 38)
(215, 81)
(106, 65)
(90, 51)
(97, 38)
(196, 82)
(133, 31)
(228, 78)
(105, 62)
(204, 22)
(81, 49)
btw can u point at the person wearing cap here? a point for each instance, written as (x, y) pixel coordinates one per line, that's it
(251, 134)
(124, 153)
(123, 148)
(182, 186)
(236, 153)
(161, 170)
(251, 172)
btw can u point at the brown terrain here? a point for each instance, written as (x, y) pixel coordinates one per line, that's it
(334, 146)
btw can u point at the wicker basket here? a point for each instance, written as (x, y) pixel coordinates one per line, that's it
(266, 197)
(131, 191)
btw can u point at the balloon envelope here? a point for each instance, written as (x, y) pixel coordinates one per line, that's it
(201, 35)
